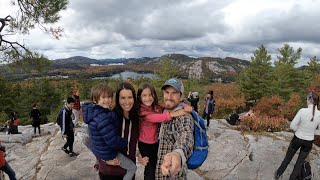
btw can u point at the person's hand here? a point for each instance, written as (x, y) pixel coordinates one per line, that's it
(171, 164)
(143, 160)
(64, 136)
(180, 112)
(113, 162)
(187, 108)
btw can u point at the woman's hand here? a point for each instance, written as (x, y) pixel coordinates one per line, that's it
(143, 160)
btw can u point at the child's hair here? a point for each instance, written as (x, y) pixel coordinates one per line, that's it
(34, 105)
(99, 90)
(70, 100)
(153, 93)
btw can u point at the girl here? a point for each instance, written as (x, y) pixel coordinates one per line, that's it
(151, 115)
(304, 124)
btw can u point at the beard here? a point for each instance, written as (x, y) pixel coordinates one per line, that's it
(170, 105)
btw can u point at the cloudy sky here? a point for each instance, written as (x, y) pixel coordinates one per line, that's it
(144, 28)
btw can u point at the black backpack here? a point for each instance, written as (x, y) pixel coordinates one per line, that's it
(305, 172)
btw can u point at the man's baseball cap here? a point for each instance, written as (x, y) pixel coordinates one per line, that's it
(175, 83)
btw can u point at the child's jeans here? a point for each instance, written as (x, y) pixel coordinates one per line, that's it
(127, 164)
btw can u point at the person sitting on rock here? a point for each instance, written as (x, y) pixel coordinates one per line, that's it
(233, 119)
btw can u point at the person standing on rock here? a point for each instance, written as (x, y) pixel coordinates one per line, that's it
(209, 104)
(103, 129)
(35, 115)
(176, 136)
(126, 108)
(304, 124)
(76, 108)
(193, 98)
(64, 120)
(4, 166)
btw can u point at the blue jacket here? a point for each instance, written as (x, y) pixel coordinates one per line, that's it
(105, 141)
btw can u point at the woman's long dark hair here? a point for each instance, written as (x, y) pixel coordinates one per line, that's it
(314, 99)
(153, 93)
(133, 113)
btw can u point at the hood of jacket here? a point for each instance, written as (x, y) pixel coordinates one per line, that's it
(90, 110)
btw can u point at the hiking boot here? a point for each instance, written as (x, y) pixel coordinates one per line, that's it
(65, 150)
(71, 154)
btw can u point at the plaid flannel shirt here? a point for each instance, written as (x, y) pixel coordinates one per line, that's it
(176, 134)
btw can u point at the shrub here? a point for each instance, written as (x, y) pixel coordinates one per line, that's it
(270, 106)
(260, 123)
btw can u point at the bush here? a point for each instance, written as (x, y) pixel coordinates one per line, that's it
(260, 123)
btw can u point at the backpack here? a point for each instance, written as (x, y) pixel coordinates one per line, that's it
(305, 173)
(200, 147)
(58, 118)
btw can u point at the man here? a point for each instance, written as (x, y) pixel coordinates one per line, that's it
(176, 136)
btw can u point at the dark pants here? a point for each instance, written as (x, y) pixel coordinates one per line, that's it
(35, 128)
(204, 115)
(109, 177)
(70, 140)
(305, 148)
(8, 170)
(151, 151)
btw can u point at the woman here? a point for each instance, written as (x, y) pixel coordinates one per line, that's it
(304, 124)
(126, 108)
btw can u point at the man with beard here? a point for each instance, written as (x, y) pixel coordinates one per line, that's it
(176, 136)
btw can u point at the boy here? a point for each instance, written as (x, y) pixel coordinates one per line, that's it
(103, 128)
(4, 166)
(64, 120)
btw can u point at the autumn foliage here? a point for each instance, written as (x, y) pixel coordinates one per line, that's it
(227, 97)
(272, 114)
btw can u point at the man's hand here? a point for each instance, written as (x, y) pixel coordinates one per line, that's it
(143, 160)
(171, 164)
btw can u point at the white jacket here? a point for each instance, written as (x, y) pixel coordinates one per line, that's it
(303, 126)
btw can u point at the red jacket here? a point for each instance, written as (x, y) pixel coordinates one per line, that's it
(150, 118)
(2, 159)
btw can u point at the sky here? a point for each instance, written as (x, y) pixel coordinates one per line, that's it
(102, 29)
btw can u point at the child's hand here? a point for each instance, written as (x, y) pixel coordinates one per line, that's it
(143, 160)
(187, 108)
(114, 162)
(177, 113)
(64, 136)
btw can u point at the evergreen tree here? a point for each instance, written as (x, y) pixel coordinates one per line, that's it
(286, 78)
(167, 69)
(313, 68)
(255, 80)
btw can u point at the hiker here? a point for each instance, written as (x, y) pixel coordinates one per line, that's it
(103, 128)
(209, 104)
(64, 120)
(13, 123)
(76, 108)
(4, 166)
(150, 113)
(233, 118)
(304, 124)
(176, 136)
(126, 108)
(35, 115)
(193, 98)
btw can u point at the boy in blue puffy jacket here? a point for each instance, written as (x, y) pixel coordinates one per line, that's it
(105, 142)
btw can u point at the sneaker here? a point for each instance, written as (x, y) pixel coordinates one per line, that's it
(65, 150)
(71, 154)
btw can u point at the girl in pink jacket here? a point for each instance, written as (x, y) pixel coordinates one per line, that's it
(151, 115)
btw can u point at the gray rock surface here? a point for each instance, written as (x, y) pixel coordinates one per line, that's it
(232, 156)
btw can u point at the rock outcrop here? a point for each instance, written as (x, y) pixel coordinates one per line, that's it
(232, 156)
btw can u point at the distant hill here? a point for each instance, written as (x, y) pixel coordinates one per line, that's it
(209, 68)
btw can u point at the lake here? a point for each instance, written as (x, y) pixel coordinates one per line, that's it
(130, 74)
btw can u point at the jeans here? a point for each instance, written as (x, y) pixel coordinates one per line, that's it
(204, 115)
(8, 170)
(305, 148)
(70, 140)
(127, 164)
